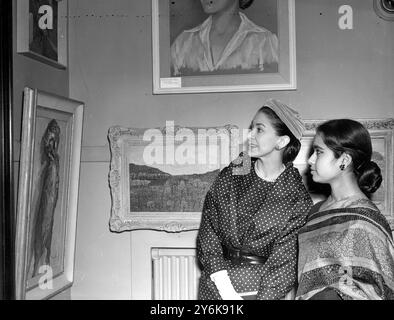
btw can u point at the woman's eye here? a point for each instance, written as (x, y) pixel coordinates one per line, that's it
(259, 130)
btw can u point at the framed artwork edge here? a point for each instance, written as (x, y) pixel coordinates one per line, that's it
(173, 85)
(32, 99)
(122, 220)
(22, 34)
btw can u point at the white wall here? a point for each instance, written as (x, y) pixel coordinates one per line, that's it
(102, 266)
(341, 73)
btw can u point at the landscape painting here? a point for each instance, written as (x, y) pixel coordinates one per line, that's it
(159, 181)
(154, 190)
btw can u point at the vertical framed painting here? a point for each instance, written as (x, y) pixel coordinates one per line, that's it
(42, 31)
(159, 177)
(257, 53)
(47, 194)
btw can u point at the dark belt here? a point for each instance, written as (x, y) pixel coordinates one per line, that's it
(238, 256)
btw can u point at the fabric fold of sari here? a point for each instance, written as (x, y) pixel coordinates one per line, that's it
(349, 250)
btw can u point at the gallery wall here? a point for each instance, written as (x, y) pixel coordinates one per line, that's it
(340, 73)
(34, 74)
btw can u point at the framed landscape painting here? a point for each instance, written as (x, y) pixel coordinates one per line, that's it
(159, 177)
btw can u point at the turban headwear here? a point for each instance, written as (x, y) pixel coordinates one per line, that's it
(289, 117)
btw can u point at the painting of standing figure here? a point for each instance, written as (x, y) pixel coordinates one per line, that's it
(48, 192)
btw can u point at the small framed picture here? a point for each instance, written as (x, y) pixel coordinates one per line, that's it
(47, 194)
(42, 30)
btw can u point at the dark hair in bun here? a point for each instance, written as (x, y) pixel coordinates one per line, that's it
(244, 4)
(369, 177)
(345, 135)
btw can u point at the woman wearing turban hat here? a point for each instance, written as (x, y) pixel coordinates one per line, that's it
(247, 242)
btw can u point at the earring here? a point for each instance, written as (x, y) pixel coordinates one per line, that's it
(342, 167)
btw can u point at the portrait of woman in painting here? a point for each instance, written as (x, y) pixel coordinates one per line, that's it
(226, 42)
(46, 193)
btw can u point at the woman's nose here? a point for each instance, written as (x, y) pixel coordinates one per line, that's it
(312, 159)
(251, 134)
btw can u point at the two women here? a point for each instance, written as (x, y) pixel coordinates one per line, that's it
(247, 242)
(251, 220)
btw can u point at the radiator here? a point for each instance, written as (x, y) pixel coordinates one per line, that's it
(175, 274)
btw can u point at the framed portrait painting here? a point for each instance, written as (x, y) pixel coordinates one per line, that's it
(42, 30)
(159, 177)
(223, 46)
(47, 194)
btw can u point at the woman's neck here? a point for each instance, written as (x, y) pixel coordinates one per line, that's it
(227, 21)
(269, 170)
(344, 187)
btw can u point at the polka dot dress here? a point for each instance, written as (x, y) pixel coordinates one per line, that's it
(245, 211)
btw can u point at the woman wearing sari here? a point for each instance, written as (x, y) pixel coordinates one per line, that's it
(346, 248)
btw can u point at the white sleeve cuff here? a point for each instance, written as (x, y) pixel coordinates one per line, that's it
(224, 285)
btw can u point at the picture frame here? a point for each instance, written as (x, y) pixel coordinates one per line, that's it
(382, 138)
(159, 177)
(42, 31)
(168, 20)
(47, 194)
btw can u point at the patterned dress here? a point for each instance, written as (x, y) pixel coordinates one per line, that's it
(346, 253)
(247, 212)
